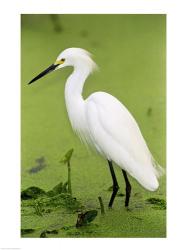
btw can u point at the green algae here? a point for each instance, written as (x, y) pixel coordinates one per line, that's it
(158, 203)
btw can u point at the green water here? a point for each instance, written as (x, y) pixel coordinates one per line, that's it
(130, 52)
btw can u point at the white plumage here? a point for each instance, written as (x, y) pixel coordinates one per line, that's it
(104, 123)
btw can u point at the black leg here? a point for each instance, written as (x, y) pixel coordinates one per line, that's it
(128, 188)
(115, 184)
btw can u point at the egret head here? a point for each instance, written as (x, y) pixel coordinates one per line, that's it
(78, 58)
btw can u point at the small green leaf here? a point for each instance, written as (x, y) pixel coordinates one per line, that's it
(90, 215)
(86, 217)
(67, 157)
(58, 189)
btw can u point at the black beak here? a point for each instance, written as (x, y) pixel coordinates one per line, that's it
(45, 72)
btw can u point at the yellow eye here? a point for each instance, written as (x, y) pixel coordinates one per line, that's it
(62, 60)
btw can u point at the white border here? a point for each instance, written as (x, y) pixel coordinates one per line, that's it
(96, 6)
(10, 119)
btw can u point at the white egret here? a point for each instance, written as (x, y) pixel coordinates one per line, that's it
(105, 124)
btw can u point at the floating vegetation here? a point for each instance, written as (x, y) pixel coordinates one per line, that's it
(36, 201)
(56, 197)
(38, 208)
(26, 231)
(85, 218)
(62, 200)
(53, 229)
(158, 203)
(41, 203)
(86, 231)
(45, 232)
(32, 193)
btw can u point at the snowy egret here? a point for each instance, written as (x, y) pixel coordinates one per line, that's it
(105, 124)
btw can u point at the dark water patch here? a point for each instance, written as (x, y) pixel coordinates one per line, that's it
(40, 165)
(36, 169)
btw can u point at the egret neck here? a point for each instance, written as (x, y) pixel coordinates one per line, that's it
(73, 97)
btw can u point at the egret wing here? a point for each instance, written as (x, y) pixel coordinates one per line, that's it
(116, 135)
